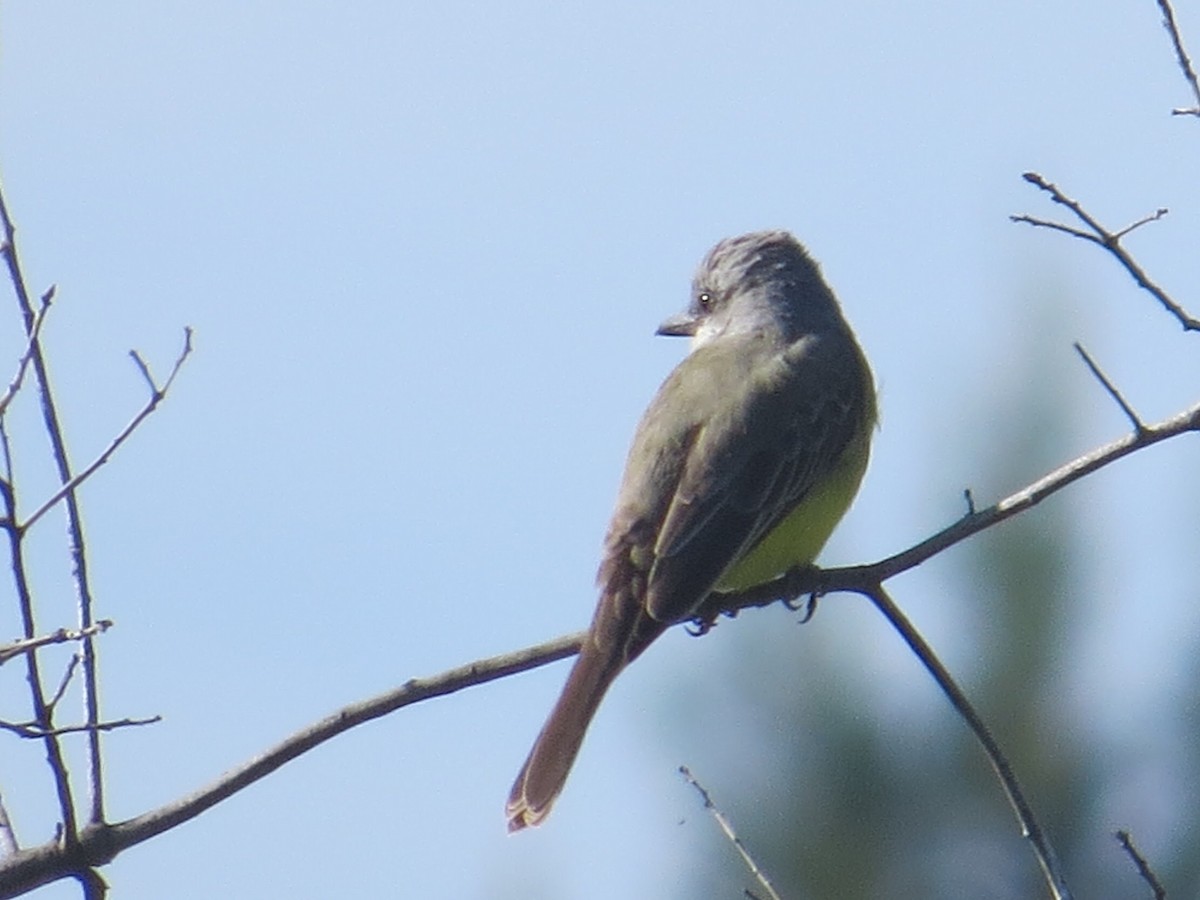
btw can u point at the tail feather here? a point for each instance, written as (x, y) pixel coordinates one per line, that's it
(545, 771)
(621, 629)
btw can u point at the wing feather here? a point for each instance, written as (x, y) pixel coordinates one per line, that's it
(778, 435)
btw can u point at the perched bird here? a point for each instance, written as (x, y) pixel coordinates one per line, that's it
(742, 465)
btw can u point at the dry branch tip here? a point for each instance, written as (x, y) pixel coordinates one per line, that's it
(1139, 426)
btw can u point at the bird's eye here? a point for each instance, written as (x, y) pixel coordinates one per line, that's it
(705, 299)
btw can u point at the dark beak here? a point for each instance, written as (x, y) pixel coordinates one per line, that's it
(681, 325)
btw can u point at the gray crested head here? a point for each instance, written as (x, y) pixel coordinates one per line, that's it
(764, 281)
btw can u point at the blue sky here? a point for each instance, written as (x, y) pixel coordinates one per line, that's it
(424, 248)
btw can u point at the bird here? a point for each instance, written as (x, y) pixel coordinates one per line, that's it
(740, 468)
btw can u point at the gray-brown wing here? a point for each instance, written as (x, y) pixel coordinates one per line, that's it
(780, 427)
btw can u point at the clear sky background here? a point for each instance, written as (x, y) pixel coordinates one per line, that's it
(424, 247)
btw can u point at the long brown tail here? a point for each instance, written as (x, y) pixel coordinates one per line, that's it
(545, 771)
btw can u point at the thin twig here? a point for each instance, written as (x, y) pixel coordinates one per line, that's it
(157, 395)
(33, 732)
(1072, 204)
(61, 636)
(1181, 56)
(1109, 240)
(1143, 867)
(1030, 827)
(1057, 226)
(1144, 220)
(1134, 418)
(727, 827)
(15, 385)
(64, 682)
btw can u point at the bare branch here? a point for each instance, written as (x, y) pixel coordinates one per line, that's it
(15, 385)
(100, 842)
(155, 390)
(1030, 827)
(1144, 220)
(1185, 64)
(64, 682)
(731, 834)
(16, 648)
(1059, 197)
(1110, 241)
(157, 395)
(1143, 867)
(1056, 226)
(1135, 420)
(32, 731)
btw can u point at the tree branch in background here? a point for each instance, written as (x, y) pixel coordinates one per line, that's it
(731, 834)
(1030, 827)
(1143, 867)
(35, 330)
(1134, 419)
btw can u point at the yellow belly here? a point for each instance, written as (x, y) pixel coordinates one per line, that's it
(798, 539)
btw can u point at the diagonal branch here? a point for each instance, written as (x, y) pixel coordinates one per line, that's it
(731, 834)
(1130, 413)
(157, 395)
(1143, 867)
(100, 842)
(31, 340)
(1030, 827)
